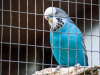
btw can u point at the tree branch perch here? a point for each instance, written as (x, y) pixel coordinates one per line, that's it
(88, 70)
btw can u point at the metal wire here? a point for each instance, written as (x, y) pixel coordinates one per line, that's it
(84, 31)
(78, 2)
(46, 30)
(10, 37)
(35, 37)
(19, 37)
(59, 42)
(27, 43)
(76, 34)
(99, 31)
(43, 40)
(91, 37)
(43, 30)
(1, 41)
(52, 44)
(68, 38)
(45, 15)
(45, 46)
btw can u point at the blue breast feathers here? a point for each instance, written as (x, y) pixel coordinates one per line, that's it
(66, 45)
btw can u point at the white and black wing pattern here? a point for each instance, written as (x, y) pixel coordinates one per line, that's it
(85, 52)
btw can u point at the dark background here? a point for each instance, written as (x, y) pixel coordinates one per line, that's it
(31, 33)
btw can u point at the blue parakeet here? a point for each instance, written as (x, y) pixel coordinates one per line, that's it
(66, 39)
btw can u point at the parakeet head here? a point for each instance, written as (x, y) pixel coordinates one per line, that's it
(55, 17)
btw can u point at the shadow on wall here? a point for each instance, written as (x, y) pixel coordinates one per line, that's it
(21, 36)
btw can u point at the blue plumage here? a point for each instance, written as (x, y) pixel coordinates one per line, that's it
(66, 39)
(60, 40)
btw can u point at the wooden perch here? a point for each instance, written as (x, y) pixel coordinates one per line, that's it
(88, 70)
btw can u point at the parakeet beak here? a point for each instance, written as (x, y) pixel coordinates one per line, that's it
(50, 19)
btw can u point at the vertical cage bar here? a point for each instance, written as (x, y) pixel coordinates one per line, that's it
(84, 24)
(35, 36)
(52, 41)
(43, 39)
(68, 38)
(10, 37)
(91, 36)
(18, 35)
(27, 43)
(84, 30)
(76, 33)
(1, 41)
(60, 40)
(99, 33)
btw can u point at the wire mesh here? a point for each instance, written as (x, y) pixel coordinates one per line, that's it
(44, 29)
(19, 37)
(1, 41)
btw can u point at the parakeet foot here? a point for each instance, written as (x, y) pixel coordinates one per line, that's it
(77, 66)
(57, 68)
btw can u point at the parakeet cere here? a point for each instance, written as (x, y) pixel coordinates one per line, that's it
(66, 39)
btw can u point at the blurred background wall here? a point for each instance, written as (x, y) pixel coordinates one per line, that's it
(93, 45)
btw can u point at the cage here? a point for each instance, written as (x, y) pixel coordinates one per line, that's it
(25, 35)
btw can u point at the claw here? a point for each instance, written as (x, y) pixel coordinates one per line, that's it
(77, 66)
(57, 68)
